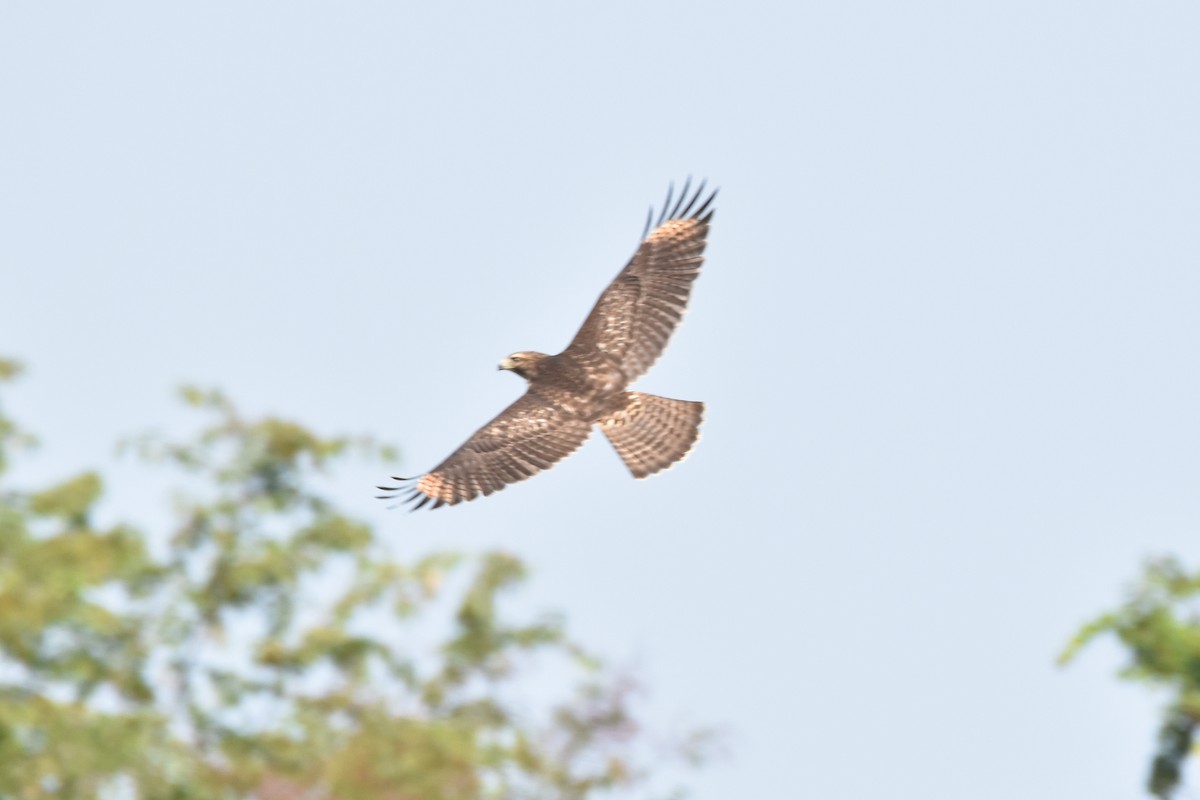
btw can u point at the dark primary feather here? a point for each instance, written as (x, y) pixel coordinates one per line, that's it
(634, 318)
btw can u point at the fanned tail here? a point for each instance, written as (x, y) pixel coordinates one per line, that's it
(651, 433)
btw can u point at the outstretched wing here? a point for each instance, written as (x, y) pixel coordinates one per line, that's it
(527, 437)
(636, 315)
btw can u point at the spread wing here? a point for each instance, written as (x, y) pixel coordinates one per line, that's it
(636, 315)
(527, 437)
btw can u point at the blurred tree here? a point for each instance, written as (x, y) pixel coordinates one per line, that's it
(269, 646)
(1160, 626)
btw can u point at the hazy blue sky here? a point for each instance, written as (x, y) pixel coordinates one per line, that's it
(947, 330)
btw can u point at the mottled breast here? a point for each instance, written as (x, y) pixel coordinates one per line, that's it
(588, 386)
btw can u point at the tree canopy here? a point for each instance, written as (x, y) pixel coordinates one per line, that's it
(267, 644)
(1159, 625)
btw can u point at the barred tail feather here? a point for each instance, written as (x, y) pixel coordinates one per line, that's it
(651, 433)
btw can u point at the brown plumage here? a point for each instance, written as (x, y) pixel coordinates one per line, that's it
(586, 384)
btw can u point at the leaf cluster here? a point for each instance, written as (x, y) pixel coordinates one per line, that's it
(1159, 626)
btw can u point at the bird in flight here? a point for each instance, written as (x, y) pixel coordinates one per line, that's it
(586, 385)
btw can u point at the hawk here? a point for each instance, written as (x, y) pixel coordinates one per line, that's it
(586, 385)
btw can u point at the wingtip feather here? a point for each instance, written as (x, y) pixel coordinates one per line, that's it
(666, 204)
(687, 204)
(683, 193)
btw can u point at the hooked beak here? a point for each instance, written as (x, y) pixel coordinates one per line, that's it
(505, 364)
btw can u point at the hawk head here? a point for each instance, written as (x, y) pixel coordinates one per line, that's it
(525, 363)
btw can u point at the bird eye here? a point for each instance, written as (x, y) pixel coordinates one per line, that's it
(516, 358)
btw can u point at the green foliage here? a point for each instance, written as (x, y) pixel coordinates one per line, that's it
(11, 437)
(268, 645)
(1160, 627)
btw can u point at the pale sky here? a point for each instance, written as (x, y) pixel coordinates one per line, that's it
(947, 329)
